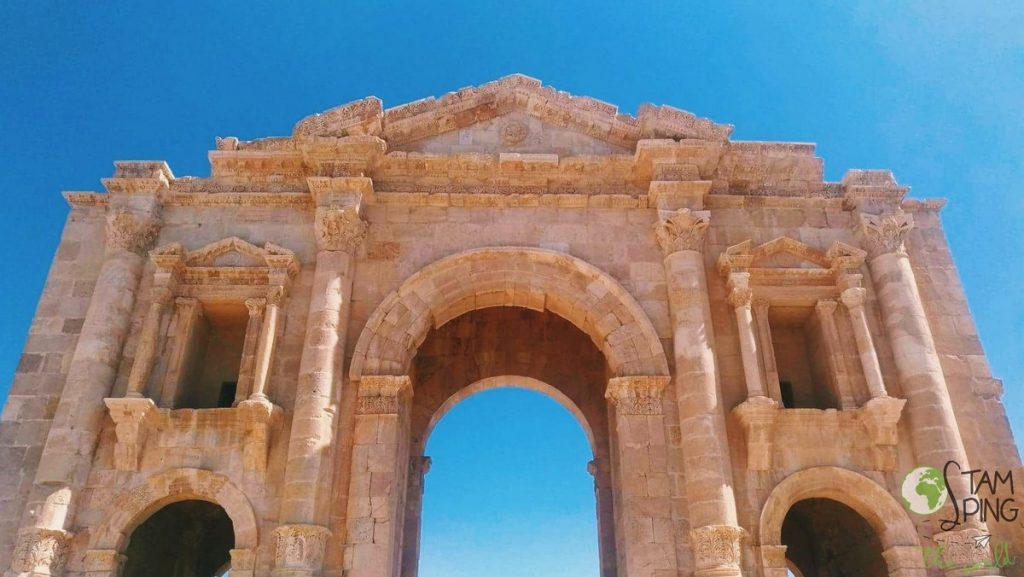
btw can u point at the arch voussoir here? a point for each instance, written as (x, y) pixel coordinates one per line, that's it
(537, 279)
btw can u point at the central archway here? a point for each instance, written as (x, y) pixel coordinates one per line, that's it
(520, 478)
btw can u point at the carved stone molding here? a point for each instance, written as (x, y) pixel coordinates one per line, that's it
(683, 230)
(257, 417)
(40, 551)
(885, 233)
(881, 417)
(102, 562)
(382, 394)
(904, 560)
(299, 549)
(339, 228)
(757, 415)
(637, 395)
(716, 550)
(243, 562)
(129, 415)
(962, 553)
(132, 232)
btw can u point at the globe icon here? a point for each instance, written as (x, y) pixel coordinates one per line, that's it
(924, 490)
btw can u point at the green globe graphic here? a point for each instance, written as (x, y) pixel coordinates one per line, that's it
(924, 490)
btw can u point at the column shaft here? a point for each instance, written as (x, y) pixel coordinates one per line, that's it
(253, 328)
(145, 354)
(740, 299)
(313, 422)
(853, 299)
(265, 348)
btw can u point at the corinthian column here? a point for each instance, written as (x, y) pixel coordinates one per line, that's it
(711, 503)
(133, 222)
(933, 427)
(644, 531)
(339, 232)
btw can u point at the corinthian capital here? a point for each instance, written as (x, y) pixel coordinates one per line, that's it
(717, 547)
(885, 233)
(339, 228)
(40, 551)
(132, 232)
(683, 229)
(637, 395)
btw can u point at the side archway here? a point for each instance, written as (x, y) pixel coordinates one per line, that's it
(108, 540)
(533, 278)
(886, 517)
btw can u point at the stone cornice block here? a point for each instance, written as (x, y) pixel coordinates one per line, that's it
(672, 195)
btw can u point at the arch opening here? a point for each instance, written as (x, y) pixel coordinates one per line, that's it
(826, 537)
(190, 538)
(508, 487)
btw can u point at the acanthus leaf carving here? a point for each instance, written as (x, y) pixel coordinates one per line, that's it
(40, 551)
(716, 547)
(637, 395)
(132, 232)
(339, 228)
(885, 233)
(683, 230)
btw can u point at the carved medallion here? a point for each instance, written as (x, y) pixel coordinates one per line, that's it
(514, 132)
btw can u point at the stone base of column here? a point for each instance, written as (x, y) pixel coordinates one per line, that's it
(39, 552)
(129, 416)
(300, 550)
(757, 416)
(716, 550)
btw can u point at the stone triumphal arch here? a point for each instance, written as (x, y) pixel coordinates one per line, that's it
(241, 371)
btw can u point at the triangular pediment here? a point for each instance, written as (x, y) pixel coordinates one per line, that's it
(785, 253)
(231, 252)
(513, 114)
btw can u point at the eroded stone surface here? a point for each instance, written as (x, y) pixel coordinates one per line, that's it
(735, 335)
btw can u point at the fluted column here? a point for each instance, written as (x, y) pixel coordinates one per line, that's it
(933, 427)
(380, 453)
(711, 503)
(853, 299)
(339, 233)
(644, 530)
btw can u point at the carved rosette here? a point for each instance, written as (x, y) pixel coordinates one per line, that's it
(40, 551)
(885, 233)
(716, 549)
(339, 228)
(382, 394)
(132, 232)
(683, 230)
(963, 554)
(300, 547)
(637, 395)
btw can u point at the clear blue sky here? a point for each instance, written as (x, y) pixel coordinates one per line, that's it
(931, 89)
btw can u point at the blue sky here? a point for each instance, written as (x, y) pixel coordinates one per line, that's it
(931, 89)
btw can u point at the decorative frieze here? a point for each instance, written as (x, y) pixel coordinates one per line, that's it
(299, 549)
(132, 232)
(683, 229)
(716, 550)
(885, 233)
(40, 551)
(637, 395)
(339, 228)
(382, 394)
